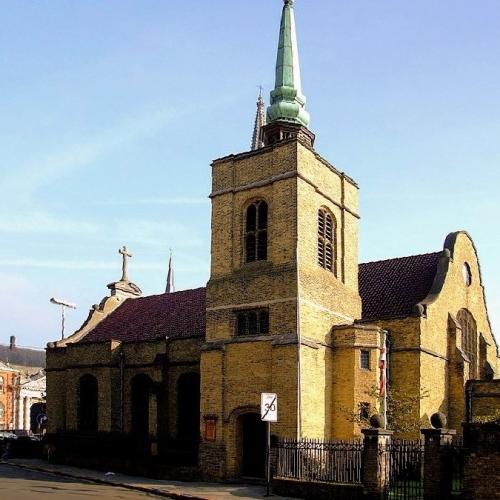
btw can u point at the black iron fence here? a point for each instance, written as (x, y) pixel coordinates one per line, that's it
(404, 469)
(454, 456)
(318, 460)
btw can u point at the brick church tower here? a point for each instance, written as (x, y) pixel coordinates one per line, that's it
(284, 276)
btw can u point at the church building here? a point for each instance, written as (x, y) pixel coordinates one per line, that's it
(288, 309)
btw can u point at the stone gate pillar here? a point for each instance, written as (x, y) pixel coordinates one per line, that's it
(437, 463)
(375, 462)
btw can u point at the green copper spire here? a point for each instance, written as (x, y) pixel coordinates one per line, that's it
(287, 101)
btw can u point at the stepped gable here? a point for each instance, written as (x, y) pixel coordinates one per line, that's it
(392, 288)
(173, 315)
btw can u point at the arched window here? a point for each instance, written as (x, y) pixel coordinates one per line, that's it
(256, 232)
(188, 407)
(467, 274)
(88, 404)
(2, 385)
(326, 241)
(2, 411)
(469, 339)
(142, 387)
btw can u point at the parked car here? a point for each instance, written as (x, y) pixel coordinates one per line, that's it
(7, 435)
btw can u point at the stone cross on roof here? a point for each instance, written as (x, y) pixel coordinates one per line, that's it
(125, 254)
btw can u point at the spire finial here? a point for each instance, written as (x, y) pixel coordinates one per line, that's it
(260, 121)
(287, 100)
(170, 288)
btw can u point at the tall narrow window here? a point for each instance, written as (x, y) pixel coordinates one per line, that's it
(256, 232)
(2, 385)
(88, 404)
(326, 241)
(469, 340)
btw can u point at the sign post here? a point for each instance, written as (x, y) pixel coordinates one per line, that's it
(268, 414)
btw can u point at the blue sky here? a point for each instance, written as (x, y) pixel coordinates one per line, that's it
(113, 110)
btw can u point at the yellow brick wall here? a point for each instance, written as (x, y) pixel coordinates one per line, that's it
(65, 367)
(352, 384)
(296, 183)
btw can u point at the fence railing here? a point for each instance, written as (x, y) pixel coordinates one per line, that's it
(454, 454)
(405, 464)
(317, 460)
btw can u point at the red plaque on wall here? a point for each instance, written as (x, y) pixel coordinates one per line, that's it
(210, 429)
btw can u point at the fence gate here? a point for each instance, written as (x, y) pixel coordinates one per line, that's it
(404, 468)
(454, 456)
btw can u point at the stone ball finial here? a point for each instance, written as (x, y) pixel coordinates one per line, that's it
(438, 420)
(289, 2)
(377, 421)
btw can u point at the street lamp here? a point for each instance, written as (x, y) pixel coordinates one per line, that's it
(64, 304)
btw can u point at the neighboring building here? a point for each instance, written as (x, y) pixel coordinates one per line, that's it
(29, 404)
(287, 309)
(8, 377)
(25, 393)
(22, 356)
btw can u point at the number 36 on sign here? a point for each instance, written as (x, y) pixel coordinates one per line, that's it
(269, 407)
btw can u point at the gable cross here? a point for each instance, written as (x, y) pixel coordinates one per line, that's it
(125, 254)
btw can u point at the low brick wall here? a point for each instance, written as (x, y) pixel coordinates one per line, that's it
(316, 491)
(482, 465)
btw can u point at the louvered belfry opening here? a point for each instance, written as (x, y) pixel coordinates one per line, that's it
(256, 232)
(326, 241)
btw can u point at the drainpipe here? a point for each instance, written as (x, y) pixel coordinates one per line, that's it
(469, 393)
(122, 389)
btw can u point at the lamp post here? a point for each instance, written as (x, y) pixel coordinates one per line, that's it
(64, 304)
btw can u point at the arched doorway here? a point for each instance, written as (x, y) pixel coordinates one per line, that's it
(252, 438)
(38, 417)
(188, 407)
(88, 404)
(141, 386)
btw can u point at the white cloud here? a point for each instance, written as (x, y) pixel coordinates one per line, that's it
(95, 265)
(25, 180)
(36, 222)
(157, 201)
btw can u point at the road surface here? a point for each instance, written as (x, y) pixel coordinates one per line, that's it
(22, 484)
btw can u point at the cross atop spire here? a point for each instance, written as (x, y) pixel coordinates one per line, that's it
(287, 100)
(260, 121)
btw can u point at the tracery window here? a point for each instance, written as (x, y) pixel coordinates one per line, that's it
(256, 231)
(469, 339)
(326, 241)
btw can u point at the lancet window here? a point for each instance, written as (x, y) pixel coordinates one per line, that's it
(469, 339)
(256, 231)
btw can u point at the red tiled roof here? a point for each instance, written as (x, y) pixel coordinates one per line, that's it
(388, 288)
(391, 288)
(174, 315)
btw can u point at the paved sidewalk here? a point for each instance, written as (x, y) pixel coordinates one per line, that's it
(169, 489)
